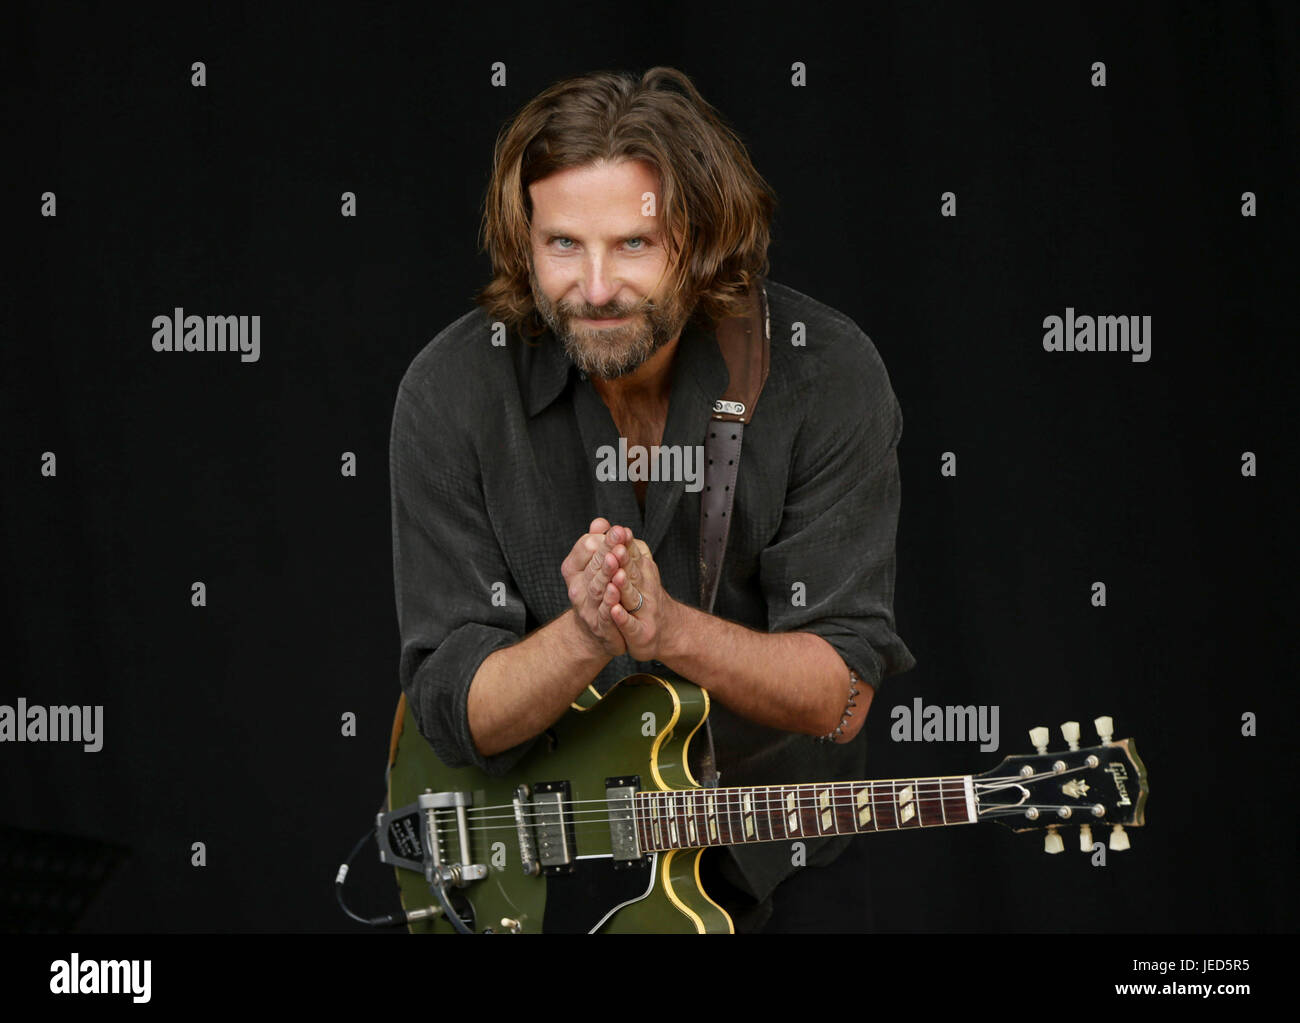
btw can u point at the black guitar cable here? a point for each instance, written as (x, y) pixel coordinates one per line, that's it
(400, 919)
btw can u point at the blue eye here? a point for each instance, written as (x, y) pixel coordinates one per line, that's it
(639, 247)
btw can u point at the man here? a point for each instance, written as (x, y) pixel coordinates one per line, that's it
(623, 220)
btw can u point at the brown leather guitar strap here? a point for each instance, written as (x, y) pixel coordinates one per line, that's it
(745, 341)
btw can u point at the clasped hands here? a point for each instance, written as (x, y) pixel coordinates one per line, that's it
(608, 574)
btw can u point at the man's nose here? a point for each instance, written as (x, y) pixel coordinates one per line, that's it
(601, 285)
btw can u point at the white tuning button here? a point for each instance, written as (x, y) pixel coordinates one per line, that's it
(1039, 736)
(1052, 842)
(1070, 730)
(1085, 838)
(1105, 728)
(1118, 840)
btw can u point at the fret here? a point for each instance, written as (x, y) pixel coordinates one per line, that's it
(929, 790)
(825, 811)
(791, 809)
(905, 803)
(763, 822)
(943, 799)
(863, 808)
(840, 800)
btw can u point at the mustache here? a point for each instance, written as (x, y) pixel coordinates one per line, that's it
(606, 312)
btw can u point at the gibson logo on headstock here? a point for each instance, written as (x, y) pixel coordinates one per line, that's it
(1119, 773)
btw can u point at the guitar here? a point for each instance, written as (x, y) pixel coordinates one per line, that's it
(601, 825)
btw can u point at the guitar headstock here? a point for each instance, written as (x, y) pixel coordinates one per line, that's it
(1103, 787)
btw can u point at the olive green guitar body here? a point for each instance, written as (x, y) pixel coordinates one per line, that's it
(641, 730)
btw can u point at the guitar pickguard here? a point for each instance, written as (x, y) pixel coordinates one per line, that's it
(579, 902)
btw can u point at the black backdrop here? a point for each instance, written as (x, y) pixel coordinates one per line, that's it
(222, 723)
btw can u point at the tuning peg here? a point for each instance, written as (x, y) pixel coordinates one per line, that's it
(1085, 838)
(1039, 736)
(1118, 840)
(1052, 841)
(1105, 728)
(1071, 732)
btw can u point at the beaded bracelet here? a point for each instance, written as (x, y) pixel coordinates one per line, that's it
(848, 710)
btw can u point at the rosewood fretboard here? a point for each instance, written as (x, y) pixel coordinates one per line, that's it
(694, 818)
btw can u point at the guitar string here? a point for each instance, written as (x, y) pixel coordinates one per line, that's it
(696, 806)
(735, 834)
(808, 797)
(729, 833)
(805, 795)
(804, 791)
(756, 806)
(646, 822)
(584, 818)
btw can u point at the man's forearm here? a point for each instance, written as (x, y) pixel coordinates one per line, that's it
(795, 681)
(520, 690)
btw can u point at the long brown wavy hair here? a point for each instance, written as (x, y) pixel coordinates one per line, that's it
(714, 207)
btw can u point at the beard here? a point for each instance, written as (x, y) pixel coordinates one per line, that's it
(611, 352)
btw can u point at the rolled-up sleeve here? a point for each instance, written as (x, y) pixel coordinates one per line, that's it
(840, 520)
(449, 574)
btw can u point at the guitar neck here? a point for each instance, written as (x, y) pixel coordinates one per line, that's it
(692, 818)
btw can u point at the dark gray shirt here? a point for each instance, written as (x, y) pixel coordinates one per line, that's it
(493, 462)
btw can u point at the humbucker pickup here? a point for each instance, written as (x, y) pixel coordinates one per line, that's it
(553, 827)
(623, 842)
